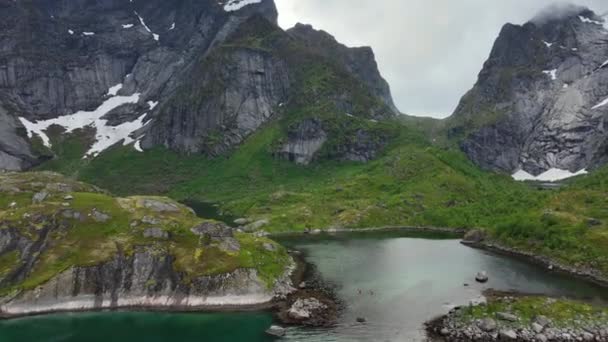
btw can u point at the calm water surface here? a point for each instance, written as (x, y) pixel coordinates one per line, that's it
(404, 281)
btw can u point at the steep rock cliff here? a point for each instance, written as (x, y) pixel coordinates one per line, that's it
(540, 100)
(192, 76)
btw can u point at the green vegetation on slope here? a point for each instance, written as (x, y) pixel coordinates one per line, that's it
(80, 225)
(561, 313)
(413, 182)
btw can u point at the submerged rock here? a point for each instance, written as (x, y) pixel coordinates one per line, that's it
(276, 331)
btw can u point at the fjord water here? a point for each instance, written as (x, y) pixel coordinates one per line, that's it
(396, 281)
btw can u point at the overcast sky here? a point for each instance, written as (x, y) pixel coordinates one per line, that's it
(430, 51)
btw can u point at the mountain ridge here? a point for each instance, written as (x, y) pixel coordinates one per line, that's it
(537, 102)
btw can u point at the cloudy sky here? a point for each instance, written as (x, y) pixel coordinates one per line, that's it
(430, 51)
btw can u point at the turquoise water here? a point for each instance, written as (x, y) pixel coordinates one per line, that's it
(396, 281)
(134, 327)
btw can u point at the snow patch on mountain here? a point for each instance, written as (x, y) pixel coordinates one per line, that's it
(551, 175)
(552, 73)
(113, 91)
(235, 5)
(143, 23)
(601, 104)
(106, 135)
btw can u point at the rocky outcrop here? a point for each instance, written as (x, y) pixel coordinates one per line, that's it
(77, 248)
(232, 98)
(307, 138)
(539, 102)
(146, 279)
(359, 61)
(491, 325)
(303, 142)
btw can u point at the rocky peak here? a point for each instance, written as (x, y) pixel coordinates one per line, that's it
(537, 104)
(359, 61)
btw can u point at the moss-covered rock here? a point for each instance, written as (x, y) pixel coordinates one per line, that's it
(112, 252)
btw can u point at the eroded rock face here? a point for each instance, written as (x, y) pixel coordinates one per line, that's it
(147, 279)
(61, 57)
(188, 83)
(303, 142)
(538, 102)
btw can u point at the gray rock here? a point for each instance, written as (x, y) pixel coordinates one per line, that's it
(588, 336)
(537, 327)
(474, 236)
(150, 220)
(257, 225)
(68, 197)
(241, 221)
(213, 230)
(269, 247)
(487, 325)
(508, 335)
(156, 233)
(99, 216)
(482, 277)
(303, 142)
(40, 197)
(160, 206)
(230, 244)
(305, 308)
(541, 338)
(276, 331)
(542, 321)
(504, 316)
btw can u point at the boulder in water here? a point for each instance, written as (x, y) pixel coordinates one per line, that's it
(276, 331)
(482, 277)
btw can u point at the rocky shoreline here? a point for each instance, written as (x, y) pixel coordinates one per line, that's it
(405, 229)
(476, 239)
(503, 319)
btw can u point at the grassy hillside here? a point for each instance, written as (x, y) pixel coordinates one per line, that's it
(420, 179)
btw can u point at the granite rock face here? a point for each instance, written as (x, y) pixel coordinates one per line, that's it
(61, 57)
(176, 74)
(539, 102)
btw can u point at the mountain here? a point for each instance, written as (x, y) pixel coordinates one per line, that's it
(541, 99)
(197, 77)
